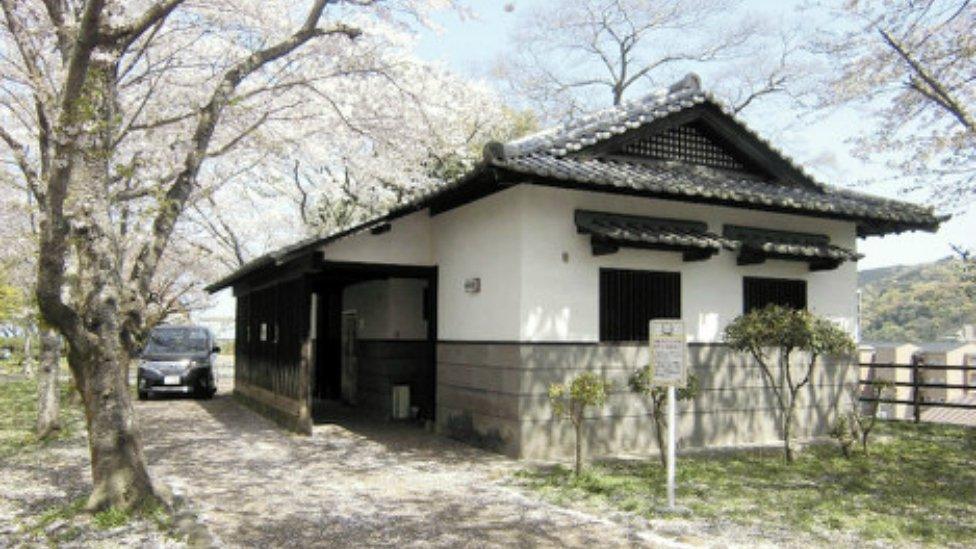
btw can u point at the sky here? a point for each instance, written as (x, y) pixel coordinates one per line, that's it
(470, 45)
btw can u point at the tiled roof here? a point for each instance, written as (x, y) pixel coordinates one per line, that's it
(678, 233)
(696, 182)
(558, 154)
(784, 243)
(603, 124)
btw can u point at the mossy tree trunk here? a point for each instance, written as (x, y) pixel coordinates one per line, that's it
(100, 308)
(48, 384)
(27, 362)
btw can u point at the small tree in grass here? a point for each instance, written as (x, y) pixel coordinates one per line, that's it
(866, 419)
(857, 424)
(641, 383)
(572, 399)
(787, 330)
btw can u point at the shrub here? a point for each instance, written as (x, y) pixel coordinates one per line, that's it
(787, 330)
(571, 401)
(641, 383)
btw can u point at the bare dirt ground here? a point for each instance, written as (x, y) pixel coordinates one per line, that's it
(352, 484)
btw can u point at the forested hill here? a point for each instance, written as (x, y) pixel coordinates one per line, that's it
(916, 302)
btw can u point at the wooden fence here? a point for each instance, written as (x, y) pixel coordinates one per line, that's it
(918, 384)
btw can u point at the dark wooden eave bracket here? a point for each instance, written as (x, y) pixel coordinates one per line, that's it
(754, 239)
(610, 231)
(753, 256)
(602, 246)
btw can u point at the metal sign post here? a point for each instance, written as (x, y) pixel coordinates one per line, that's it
(671, 445)
(669, 368)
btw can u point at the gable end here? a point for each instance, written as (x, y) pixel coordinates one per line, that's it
(722, 130)
(692, 143)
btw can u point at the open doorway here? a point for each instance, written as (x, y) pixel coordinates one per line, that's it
(375, 341)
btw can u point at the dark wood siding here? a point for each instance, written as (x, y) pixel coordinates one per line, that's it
(630, 299)
(274, 362)
(759, 292)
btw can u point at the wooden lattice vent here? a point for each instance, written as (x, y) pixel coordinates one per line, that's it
(688, 144)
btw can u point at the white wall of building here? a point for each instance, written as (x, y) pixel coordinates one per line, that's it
(560, 300)
(483, 240)
(408, 242)
(540, 280)
(406, 309)
(388, 309)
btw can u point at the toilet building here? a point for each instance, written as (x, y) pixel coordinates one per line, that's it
(548, 259)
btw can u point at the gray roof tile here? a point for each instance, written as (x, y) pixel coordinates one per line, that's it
(551, 154)
(678, 233)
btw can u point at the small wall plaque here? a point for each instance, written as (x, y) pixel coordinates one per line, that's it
(472, 285)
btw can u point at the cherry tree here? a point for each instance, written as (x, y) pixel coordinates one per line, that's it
(422, 133)
(570, 55)
(118, 117)
(911, 67)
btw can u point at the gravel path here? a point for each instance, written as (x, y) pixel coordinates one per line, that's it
(354, 484)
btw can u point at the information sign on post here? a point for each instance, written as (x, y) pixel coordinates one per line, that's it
(669, 369)
(668, 352)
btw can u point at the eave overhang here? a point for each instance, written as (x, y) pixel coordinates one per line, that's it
(756, 245)
(609, 232)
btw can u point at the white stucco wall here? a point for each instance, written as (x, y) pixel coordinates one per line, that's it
(514, 241)
(560, 299)
(483, 240)
(408, 242)
(406, 309)
(388, 309)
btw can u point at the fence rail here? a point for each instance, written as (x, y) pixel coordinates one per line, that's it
(918, 386)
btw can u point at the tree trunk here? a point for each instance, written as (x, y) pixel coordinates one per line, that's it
(119, 474)
(93, 325)
(659, 433)
(48, 389)
(26, 362)
(788, 431)
(579, 446)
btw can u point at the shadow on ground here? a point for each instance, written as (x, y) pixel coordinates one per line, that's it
(353, 482)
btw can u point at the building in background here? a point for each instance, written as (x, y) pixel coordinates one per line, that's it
(548, 259)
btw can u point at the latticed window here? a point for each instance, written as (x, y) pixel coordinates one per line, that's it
(629, 299)
(759, 292)
(689, 144)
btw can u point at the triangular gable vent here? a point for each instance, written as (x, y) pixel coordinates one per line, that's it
(691, 144)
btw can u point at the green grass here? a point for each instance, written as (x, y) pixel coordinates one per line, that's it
(917, 487)
(18, 400)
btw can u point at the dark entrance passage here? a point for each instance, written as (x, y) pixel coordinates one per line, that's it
(374, 339)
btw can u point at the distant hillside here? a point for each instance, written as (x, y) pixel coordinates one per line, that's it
(916, 302)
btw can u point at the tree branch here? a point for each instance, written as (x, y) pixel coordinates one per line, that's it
(207, 119)
(19, 152)
(120, 38)
(932, 89)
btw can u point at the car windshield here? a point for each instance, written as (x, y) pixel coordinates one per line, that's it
(177, 340)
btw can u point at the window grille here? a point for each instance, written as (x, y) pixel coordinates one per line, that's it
(630, 299)
(688, 144)
(759, 292)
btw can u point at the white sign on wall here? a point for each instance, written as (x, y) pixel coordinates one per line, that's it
(668, 362)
